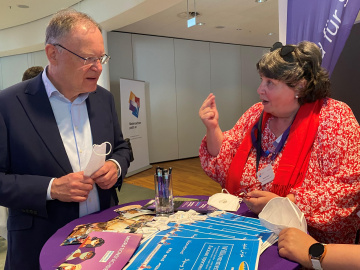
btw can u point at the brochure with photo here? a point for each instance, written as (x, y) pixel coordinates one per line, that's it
(130, 220)
(102, 250)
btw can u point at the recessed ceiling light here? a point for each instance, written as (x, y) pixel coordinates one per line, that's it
(260, 1)
(239, 29)
(270, 34)
(200, 23)
(220, 27)
(22, 6)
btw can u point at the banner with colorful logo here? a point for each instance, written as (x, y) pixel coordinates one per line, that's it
(133, 122)
(324, 22)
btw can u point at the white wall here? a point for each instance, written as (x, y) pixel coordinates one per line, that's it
(13, 67)
(179, 75)
(250, 77)
(153, 60)
(192, 69)
(226, 77)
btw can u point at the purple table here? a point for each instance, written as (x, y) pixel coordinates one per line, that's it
(52, 252)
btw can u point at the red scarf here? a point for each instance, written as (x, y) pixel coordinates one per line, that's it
(295, 158)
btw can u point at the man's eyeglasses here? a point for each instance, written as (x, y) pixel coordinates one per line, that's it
(89, 60)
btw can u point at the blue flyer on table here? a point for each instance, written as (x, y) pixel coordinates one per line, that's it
(235, 217)
(191, 233)
(187, 230)
(197, 253)
(238, 223)
(229, 234)
(222, 227)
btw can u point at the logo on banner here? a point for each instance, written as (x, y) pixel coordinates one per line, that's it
(134, 104)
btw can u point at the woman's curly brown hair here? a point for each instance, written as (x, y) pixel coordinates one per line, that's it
(297, 63)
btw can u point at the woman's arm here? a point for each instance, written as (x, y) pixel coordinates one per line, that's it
(330, 193)
(216, 167)
(294, 245)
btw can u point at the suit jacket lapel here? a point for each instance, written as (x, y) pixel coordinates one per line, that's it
(38, 108)
(96, 118)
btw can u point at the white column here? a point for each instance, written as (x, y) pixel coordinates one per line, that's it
(104, 79)
(282, 20)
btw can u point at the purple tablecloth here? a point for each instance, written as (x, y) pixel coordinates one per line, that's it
(52, 253)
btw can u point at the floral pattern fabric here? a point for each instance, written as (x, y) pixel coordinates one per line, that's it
(330, 194)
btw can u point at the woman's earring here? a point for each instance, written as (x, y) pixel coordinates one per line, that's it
(296, 96)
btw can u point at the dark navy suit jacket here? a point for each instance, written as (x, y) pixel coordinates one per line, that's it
(32, 153)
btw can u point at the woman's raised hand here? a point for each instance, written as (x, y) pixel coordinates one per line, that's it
(210, 117)
(208, 113)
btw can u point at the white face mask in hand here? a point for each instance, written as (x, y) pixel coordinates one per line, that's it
(97, 159)
(225, 201)
(280, 213)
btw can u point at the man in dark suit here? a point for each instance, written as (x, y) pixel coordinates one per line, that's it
(48, 126)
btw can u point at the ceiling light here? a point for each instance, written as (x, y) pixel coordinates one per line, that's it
(270, 34)
(260, 1)
(220, 27)
(190, 14)
(200, 23)
(22, 6)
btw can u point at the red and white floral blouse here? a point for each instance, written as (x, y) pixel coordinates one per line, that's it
(330, 194)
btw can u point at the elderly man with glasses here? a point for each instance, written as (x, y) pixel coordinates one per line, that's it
(48, 126)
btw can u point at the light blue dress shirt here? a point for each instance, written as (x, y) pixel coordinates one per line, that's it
(74, 126)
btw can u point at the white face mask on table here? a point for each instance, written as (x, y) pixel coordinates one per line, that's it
(225, 201)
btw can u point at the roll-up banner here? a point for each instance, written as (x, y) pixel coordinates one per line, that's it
(324, 22)
(133, 122)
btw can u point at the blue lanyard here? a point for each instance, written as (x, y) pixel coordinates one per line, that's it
(256, 141)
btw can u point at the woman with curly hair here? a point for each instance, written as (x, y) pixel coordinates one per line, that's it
(296, 143)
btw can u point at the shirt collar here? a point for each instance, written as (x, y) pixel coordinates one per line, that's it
(52, 91)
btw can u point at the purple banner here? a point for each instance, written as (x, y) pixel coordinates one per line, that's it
(324, 22)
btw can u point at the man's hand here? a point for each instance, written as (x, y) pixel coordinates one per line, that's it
(73, 187)
(107, 176)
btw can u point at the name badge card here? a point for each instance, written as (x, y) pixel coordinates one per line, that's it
(266, 175)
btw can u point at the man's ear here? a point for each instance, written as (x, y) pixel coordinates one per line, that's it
(51, 53)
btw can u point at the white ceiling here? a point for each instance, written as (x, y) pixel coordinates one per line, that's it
(241, 22)
(12, 15)
(244, 21)
(227, 21)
